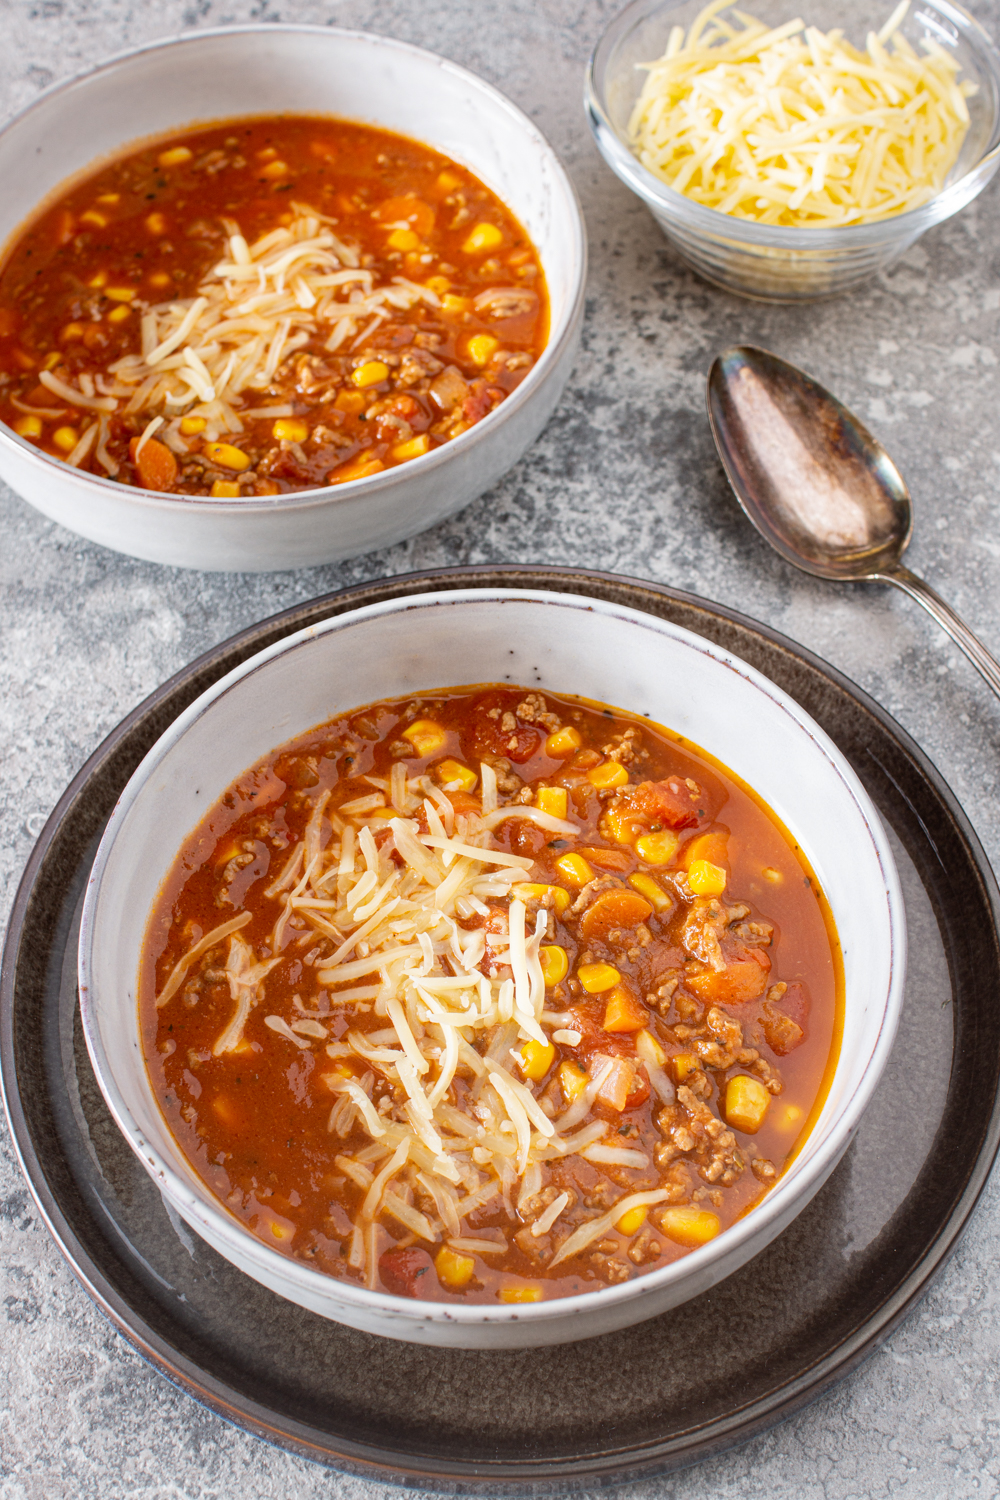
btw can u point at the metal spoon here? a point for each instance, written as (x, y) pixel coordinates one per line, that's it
(817, 485)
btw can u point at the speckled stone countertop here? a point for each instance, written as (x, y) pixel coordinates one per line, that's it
(625, 478)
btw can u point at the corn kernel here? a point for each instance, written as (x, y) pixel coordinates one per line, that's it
(453, 1270)
(596, 978)
(771, 875)
(225, 489)
(227, 457)
(657, 848)
(513, 1293)
(448, 182)
(575, 869)
(120, 293)
(425, 736)
(281, 1229)
(553, 800)
(156, 223)
(689, 1226)
(160, 280)
(111, 198)
(223, 1107)
(483, 237)
(451, 305)
(789, 1118)
(450, 771)
(536, 1060)
(290, 430)
(274, 170)
(632, 1220)
(28, 427)
(175, 156)
(438, 285)
(119, 314)
(414, 447)
(706, 879)
(480, 348)
(654, 894)
(560, 897)
(50, 361)
(554, 962)
(621, 825)
(747, 1102)
(95, 219)
(608, 774)
(403, 239)
(572, 1080)
(192, 425)
(563, 742)
(371, 373)
(266, 153)
(66, 438)
(70, 332)
(101, 279)
(648, 1049)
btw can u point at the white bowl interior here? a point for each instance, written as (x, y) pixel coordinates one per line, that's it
(559, 643)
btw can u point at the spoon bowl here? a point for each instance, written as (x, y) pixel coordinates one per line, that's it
(817, 485)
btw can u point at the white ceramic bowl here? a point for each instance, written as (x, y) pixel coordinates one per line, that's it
(564, 644)
(269, 69)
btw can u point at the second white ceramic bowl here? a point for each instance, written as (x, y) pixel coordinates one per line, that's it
(269, 69)
(556, 642)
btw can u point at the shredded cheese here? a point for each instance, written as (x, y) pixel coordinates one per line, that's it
(794, 126)
(212, 355)
(389, 890)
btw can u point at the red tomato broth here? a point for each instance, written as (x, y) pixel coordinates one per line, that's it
(135, 235)
(255, 1124)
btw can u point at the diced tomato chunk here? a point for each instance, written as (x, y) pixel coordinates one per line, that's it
(401, 1270)
(670, 803)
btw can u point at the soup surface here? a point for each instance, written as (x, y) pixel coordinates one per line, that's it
(491, 995)
(264, 306)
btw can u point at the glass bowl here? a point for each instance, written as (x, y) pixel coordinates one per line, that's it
(770, 262)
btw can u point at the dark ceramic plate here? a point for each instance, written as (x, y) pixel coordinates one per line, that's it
(687, 1384)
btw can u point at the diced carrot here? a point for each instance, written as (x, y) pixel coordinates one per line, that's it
(156, 465)
(713, 847)
(613, 910)
(624, 1012)
(409, 209)
(734, 985)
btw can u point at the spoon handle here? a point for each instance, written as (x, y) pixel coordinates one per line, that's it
(946, 618)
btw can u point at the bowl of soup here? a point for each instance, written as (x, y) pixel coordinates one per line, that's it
(288, 294)
(491, 968)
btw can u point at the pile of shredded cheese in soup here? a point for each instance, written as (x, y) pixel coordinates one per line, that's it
(794, 126)
(453, 1005)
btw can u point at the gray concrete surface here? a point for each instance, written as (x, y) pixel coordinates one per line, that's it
(625, 478)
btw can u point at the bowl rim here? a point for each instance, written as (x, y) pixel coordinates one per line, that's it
(660, 197)
(225, 1227)
(561, 335)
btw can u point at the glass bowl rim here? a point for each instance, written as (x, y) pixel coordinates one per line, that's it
(660, 198)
